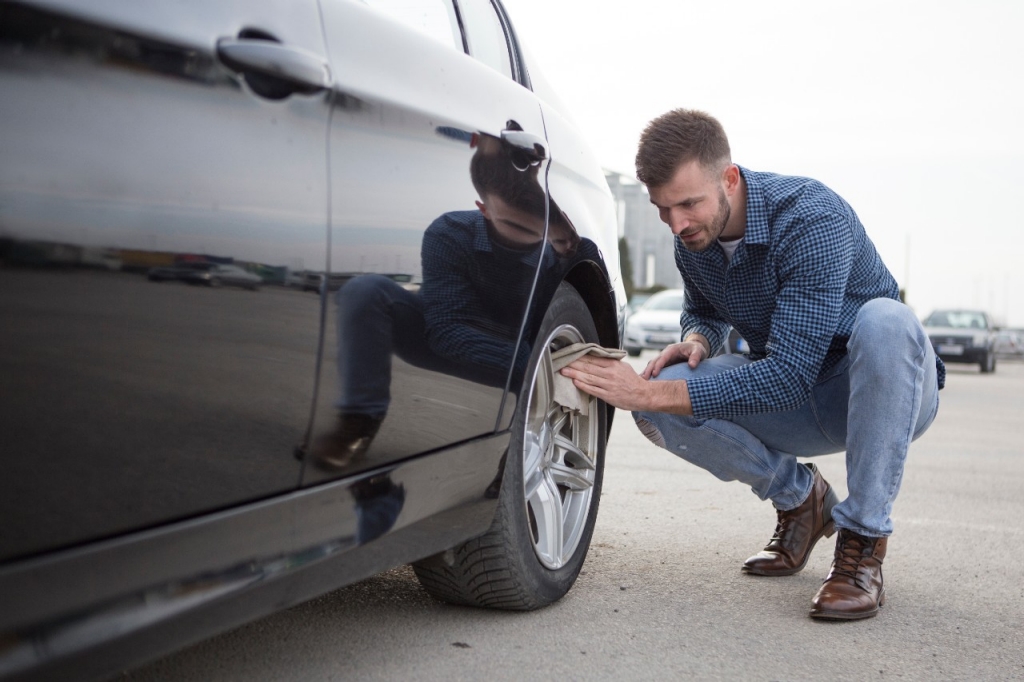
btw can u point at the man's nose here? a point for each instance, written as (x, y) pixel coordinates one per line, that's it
(677, 222)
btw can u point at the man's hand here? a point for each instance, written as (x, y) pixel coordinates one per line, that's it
(692, 351)
(616, 383)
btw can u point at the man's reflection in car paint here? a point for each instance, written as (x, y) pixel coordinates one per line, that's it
(478, 269)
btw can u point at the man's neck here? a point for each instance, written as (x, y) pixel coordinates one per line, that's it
(736, 227)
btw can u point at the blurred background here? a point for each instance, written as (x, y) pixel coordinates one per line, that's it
(911, 111)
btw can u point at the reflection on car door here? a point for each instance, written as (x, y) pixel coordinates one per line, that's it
(422, 331)
(129, 146)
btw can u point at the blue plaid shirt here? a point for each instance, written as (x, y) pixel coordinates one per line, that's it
(475, 292)
(804, 268)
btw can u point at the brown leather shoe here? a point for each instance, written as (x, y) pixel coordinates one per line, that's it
(853, 588)
(797, 531)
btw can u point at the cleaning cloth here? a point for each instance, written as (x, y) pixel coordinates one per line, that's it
(566, 394)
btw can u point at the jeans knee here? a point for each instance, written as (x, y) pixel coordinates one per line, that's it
(364, 286)
(883, 321)
(645, 422)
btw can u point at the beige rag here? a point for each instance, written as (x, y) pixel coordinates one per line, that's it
(567, 395)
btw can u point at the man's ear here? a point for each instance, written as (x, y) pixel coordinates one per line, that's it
(483, 209)
(731, 178)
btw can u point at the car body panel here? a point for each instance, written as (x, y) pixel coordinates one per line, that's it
(400, 159)
(132, 404)
(311, 540)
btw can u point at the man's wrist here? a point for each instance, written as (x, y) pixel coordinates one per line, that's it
(673, 397)
(702, 340)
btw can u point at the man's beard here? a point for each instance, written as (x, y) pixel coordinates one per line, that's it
(717, 225)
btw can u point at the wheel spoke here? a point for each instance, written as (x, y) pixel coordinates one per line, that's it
(546, 505)
(570, 477)
(534, 480)
(533, 454)
(568, 452)
(543, 392)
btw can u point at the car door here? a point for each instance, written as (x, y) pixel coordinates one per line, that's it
(141, 137)
(427, 296)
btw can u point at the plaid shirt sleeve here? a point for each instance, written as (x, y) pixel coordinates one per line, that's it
(699, 317)
(812, 260)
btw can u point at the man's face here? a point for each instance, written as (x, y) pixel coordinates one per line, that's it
(694, 205)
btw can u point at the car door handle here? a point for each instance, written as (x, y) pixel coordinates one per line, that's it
(262, 62)
(534, 146)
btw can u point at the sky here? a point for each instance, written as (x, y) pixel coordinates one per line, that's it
(912, 111)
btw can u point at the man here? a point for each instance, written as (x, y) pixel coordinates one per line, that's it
(836, 361)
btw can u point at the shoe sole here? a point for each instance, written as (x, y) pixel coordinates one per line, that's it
(847, 615)
(827, 531)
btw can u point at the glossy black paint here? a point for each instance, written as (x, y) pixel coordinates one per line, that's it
(66, 618)
(129, 403)
(150, 491)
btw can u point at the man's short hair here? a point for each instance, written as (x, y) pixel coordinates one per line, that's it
(677, 138)
(495, 171)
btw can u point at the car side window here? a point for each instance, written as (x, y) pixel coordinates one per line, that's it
(485, 34)
(435, 18)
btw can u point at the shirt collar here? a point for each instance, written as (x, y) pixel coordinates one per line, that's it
(757, 216)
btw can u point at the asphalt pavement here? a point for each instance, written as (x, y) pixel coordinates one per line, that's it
(662, 597)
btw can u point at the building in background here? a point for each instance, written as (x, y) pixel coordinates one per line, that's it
(650, 241)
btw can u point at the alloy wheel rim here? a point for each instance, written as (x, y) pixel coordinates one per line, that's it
(559, 461)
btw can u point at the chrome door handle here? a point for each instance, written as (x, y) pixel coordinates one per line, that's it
(291, 69)
(534, 146)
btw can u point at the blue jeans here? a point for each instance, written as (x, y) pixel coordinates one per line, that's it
(378, 319)
(877, 400)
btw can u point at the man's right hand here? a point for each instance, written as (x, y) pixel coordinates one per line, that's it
(689, 351)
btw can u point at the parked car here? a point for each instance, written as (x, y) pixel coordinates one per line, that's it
(963, 336)
(635, 302)
(1009, 343)
(223, 275)
(655, 325)
(177, 464)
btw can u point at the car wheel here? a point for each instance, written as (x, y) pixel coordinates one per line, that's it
(988, 362)
(550, 490)
(633, 352)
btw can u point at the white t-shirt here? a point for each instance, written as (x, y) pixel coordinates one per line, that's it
(730, 248)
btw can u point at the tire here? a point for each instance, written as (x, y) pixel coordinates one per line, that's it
(633, 352)
(988, 363)
(536, 545)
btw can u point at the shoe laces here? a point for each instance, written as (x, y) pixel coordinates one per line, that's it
(785, 520)
(851, 551)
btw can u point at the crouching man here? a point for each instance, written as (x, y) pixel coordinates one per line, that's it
(836, 361)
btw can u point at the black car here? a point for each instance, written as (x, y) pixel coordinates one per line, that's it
(181, 459)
